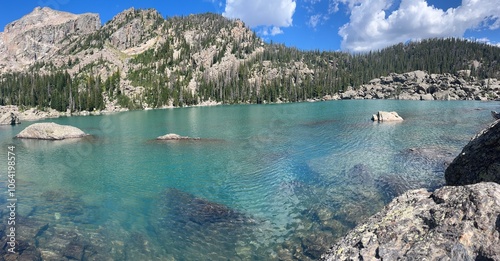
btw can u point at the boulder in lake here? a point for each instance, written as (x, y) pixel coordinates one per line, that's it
(175, 137)
(479, 160)
(50, 131)
(382, 116)
(452, 223)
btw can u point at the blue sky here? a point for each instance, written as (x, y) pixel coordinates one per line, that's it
(348, 25)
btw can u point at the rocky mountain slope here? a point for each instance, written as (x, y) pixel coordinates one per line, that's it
(40, 34)
(138, 59)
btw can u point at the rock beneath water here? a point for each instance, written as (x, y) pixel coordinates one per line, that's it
(173, 136)
(479, 160)
(452, 223)
(386, 116)
(179, 219)
(50, 131)
(198, 210)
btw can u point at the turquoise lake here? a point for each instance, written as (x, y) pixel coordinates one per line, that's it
(264, 182)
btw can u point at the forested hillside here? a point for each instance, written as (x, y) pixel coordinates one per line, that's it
(139, 60)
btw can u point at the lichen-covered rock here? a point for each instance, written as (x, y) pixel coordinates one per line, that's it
(452, 223)
(479, 160)
(50, 131)
(386, 116)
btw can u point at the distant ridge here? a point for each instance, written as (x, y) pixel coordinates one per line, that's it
(138, 59)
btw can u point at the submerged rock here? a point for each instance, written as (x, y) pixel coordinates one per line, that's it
(187, 207)
(415, 168)
(50, 131)
(452, 223)
(180, 219)
(479, 160)
(386, 116)
(173, 136)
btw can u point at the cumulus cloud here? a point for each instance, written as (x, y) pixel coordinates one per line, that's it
(270, 13)
(372, 27)
(273, 30)
(485, 40)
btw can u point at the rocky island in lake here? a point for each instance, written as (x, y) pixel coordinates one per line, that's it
(50, 131)
(175, 137)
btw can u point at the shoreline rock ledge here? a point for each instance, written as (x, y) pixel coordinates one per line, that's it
(452, 223)
(50, 131)
(460, 221)
(479, 160)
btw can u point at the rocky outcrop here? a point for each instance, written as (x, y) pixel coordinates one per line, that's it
(175, 137)
(382, 116)
(50, 131)
(9, 118)
(452, 223)
(419, 85)
(133, 27)
(41, 34)
(479, 160)
(9, 115)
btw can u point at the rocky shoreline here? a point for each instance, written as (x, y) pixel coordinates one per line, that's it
(460, 221)
(416, 85)
(420, 85)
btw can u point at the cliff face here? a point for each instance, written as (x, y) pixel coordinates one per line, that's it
(41, 34)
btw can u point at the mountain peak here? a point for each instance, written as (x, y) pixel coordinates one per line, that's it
(43, 16)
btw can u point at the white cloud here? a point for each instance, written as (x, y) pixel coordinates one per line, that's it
(314, 20)
(370, 27)
(271, 30)
(275, 13)
(485, 40)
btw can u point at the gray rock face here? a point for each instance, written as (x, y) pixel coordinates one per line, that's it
(9, 118)
(41, 33)
(452, 223)
(50, 131)
(479, 160)
(9, 115)
(132, 27)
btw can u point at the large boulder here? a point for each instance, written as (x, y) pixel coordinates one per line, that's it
(452, 223)
(9, 118)
(386, 116)
(50, 131)
(479, 160)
